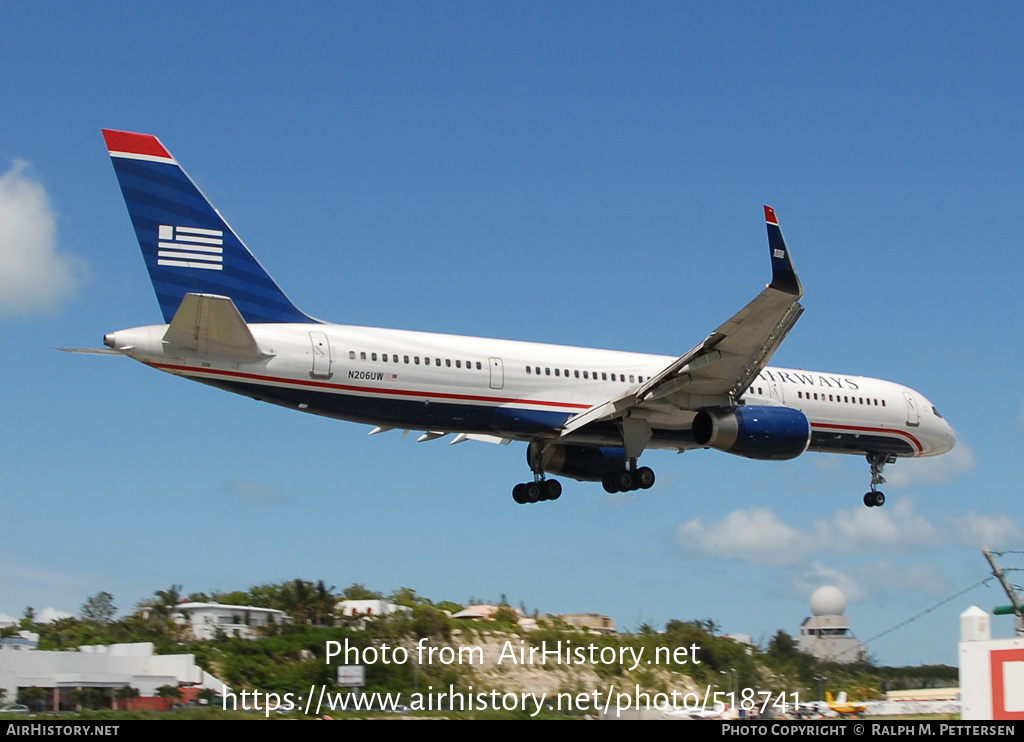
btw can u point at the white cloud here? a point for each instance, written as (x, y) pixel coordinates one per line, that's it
(996, 531)
(49, 614)
(758, 536)
(36, 277)
(870, 582)
(932, 469)
(256, 493)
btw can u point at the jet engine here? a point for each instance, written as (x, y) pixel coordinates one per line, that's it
(757, 432)
(583, 463)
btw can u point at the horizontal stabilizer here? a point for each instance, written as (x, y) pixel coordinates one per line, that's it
(92, 351)
(212, 325)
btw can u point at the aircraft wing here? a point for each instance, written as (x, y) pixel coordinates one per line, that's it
(719, 369)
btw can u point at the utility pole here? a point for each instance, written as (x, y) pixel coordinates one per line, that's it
(1015, 599)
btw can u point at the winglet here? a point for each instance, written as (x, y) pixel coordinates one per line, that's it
(784, 277)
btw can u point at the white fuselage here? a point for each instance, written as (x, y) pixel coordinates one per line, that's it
(520, 390)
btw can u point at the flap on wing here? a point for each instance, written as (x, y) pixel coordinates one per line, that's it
(721, 367)
(211, 324)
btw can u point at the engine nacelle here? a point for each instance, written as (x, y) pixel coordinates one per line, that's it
(583, 463)
(770, 433)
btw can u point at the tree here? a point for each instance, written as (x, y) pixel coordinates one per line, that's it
(209, 695)
(127, 694)
(34, 697)
(167, 601)
(99, 609)
(89, 698)
(359, 591)
(169, 692)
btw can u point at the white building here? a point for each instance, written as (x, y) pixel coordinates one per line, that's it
(105, 668)
(371, 608)
(20, 642)
(243, 621)
(826, 635)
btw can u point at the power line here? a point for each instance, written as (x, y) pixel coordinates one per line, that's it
(929, 610)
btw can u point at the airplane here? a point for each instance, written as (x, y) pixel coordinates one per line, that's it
(585, 414)
(843, 706)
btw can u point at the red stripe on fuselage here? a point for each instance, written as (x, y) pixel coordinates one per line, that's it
(192, 371)
(860, 429)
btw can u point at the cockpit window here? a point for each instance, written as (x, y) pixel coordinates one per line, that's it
(936, 412)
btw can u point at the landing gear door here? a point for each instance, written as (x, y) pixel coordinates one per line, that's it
(497, 374)
(321, 356)
(912, 417)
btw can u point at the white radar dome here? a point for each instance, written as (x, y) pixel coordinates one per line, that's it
(828, 601)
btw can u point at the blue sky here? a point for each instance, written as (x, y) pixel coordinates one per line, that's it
(579, 173)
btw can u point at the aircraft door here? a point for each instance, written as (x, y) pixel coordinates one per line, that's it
(775, 392)
(321, 356)
(497, 374)
(912, 418)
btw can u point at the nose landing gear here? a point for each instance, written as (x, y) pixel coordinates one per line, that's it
(874, 498)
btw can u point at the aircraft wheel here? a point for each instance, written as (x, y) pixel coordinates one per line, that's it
(879, 499)
(533, 492)
(552, 489)
(610, 484)
(625, 480)
(869, 499)
(645, 477)
(519, 495)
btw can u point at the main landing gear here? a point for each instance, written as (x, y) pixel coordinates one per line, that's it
(537, 491)
(874, 498)
(628, 480)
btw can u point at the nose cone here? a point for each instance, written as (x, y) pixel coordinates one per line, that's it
(948, 437)
(938, 435)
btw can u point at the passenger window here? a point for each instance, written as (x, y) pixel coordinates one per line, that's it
(416, 360)
(406, 358)
(448, 362)
(458, 364)
(604, 376)
(557, 372)
(362, 356)
(528, 370)
(373, 356)
(586, 375)
(478, 366)
(576, 373)
(351, 355)
(547, 372)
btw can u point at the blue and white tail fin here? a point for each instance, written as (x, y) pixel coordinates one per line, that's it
(188, 247)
